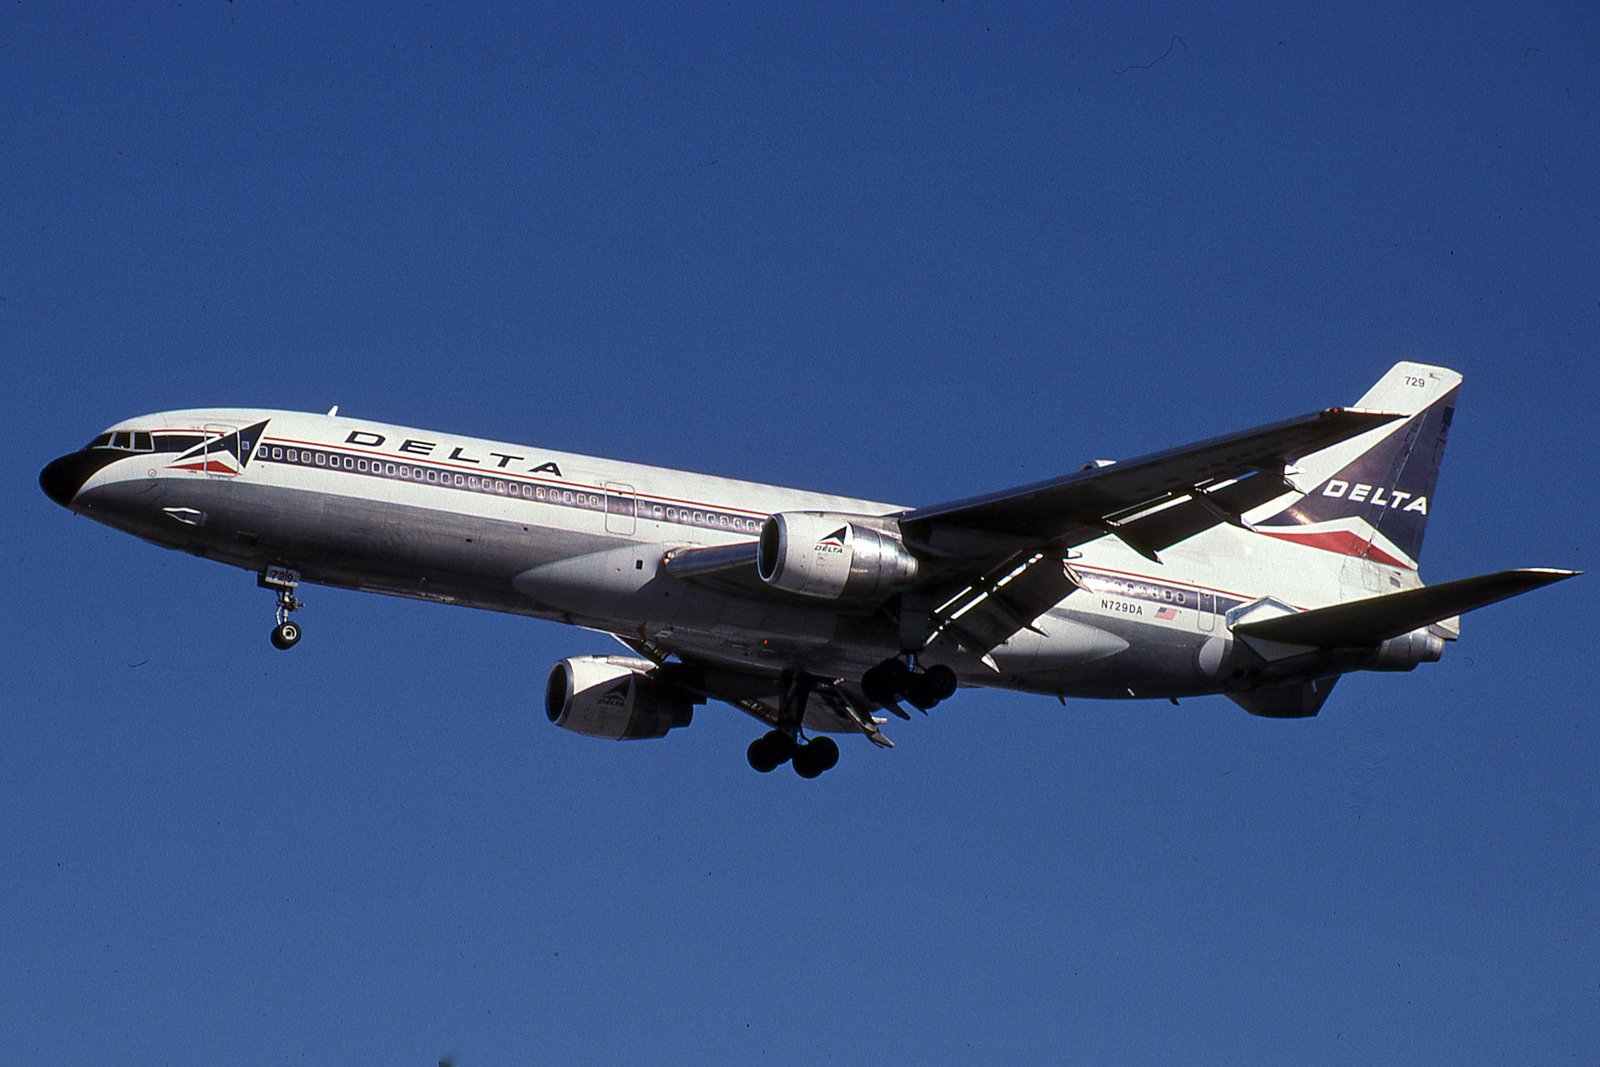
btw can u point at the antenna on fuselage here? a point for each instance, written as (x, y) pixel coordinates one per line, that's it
(333, 411)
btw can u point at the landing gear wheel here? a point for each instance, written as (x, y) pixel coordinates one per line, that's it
(805, 764)
(885, 683)
(825, 752)
(772, 749)
(285, 635)
(283, 581)
(936, 684)
(941, 681)
(816, 756)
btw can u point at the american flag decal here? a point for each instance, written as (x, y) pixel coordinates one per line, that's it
(1167, 613)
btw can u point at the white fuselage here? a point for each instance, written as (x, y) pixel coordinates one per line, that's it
(582, 540)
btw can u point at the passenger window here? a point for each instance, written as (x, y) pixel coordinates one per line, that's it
(322, 461)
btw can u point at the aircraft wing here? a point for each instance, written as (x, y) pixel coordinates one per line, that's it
(837, 706)
(1152, 501)
(980, 598)
(1000, 560)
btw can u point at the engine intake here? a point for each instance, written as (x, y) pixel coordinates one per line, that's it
(833, 557)
(614, 697)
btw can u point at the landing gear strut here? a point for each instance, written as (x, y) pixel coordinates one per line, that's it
(283, 581)
(786, 743)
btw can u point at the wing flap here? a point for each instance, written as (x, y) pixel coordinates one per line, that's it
(991, 609)
(1376, 619)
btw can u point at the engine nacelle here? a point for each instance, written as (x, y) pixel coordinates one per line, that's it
(833, 557)
(615, 698)
(1403, 653)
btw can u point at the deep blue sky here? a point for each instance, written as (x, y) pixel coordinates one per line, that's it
(911, 254)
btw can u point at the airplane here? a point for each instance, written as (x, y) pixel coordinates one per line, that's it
(1261, 565)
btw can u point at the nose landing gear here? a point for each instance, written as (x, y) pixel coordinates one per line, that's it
(285, 635)
(283, 581)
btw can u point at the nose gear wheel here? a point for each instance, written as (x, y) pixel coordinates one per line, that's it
(283, 582)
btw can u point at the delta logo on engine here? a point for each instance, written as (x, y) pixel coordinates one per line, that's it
(834, 542)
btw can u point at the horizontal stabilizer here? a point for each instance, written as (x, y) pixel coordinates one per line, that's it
(1376, 619)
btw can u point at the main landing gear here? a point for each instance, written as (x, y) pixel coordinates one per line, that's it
(786, 743)
(810, 758)
(893, 681)
(283, 581)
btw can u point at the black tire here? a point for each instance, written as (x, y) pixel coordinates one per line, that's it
(825, 750)
(285, 636)
(761, 756)
(887, 682)
(770, 751)
(782, 746)
(807, 763)
(941, 681)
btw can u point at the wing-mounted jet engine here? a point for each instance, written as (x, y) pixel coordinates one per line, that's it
(615, 698)
(834, 557)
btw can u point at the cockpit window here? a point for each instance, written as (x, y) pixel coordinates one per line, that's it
(125, 441)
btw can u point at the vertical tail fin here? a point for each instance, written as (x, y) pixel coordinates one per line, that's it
(1370, 496)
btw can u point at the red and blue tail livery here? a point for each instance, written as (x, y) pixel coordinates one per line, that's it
(1375, 506)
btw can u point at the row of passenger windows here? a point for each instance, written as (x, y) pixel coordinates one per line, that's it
(704, 518)
(573, 498)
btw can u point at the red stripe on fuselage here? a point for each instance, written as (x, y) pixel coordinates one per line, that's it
(1342, 542)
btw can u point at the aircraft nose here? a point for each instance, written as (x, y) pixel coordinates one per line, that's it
(62, 478)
